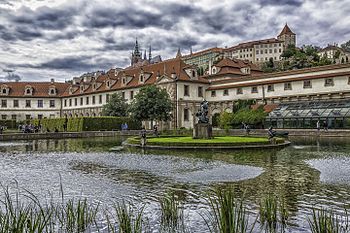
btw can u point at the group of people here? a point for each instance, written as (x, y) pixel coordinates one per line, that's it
(143, 134)
(29, 128)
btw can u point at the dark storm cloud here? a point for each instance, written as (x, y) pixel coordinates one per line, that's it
(107, 17)
(296, 3)
(68, 63)
(44, 17)
(104, 32)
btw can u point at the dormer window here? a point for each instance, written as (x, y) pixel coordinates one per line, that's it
(214, 70)
(124, 80)
(52, 91)
(108, 83)
(5, 90)
(28, 90)
(193, 73)
(81, 88)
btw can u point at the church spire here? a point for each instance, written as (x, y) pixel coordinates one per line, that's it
(136, 50)
(178, 54)
(150, 54)
(145, 55)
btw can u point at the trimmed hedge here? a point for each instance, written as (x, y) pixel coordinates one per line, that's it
(50, 124)
(87, 123)
(10, 124)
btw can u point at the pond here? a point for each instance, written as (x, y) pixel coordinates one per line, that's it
(310, 172)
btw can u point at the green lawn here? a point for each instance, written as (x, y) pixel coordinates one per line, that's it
(226, 139)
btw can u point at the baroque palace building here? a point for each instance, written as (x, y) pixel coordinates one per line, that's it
(293, 98)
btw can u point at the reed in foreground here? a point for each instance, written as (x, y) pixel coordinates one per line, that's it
(328, 222)
(273, 214)
(171, 214)
(227, 214)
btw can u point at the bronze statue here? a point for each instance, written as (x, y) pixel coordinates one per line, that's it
(202, 113)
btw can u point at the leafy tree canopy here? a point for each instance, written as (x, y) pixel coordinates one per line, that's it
(151, 103)
(116, 106)
(346, 46)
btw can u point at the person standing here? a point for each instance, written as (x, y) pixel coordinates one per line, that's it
(318, 126)
(143, 136)
(325, 126)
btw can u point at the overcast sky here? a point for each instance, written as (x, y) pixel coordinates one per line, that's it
(43, 39)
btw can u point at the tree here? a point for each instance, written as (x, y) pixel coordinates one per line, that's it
(116, 106)
(346, 46)
(151, 103)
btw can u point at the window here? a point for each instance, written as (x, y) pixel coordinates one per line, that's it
(28, 117)
(81, 101)
(15, 103)
(280, 50)
(4, 103)
(65, 103)
(4, 91)
(123, 95)
(186, 90)
(239, 91)
(307, 84)
(107, 98)
(14, 117)
(4, 117)
(270, 50)
(87, 100)
(255, 89)
(213, 93)
(75, 101)
(93, 99)
(275, 50)
(131, 95)
(200, 91)
(100, 99)
(40, 103)
(141, 78)
(328, 82)
(225, 92)
(28, 91)
(28, 103)
(287, 86)
(52, 103)
(40, 116)
(270, 88)
(186, 114)
(70, 102)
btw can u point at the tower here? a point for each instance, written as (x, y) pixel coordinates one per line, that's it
(150, 54)
(136, 56)
(287, 36)
(178, 54)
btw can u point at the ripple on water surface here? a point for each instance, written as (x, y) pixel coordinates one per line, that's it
(334, 170)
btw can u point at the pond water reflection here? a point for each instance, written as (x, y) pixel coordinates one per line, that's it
(309, 172)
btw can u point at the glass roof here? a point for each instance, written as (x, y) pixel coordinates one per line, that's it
(312, 109)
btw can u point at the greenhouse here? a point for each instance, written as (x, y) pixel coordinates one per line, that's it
(306, 114)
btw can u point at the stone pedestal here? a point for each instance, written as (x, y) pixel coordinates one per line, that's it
(202, 130)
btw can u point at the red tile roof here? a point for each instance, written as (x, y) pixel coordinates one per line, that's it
(40, 89)
(286, 31)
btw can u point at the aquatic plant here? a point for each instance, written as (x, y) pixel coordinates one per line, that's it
(227, 213)
(171, 213)
(273, 214)
(127, 219)
(329, 222)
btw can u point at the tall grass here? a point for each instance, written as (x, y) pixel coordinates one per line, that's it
(273, 214)
(126, 220)
(328, 222)
(227, 213)
(171, 214)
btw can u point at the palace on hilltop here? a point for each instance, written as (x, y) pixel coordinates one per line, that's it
(294, 98)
